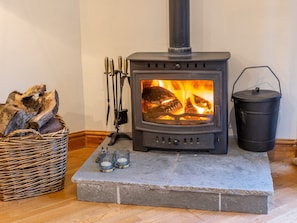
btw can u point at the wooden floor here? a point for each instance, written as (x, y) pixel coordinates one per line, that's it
(63, 207)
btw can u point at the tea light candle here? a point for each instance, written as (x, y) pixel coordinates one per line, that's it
(106, 164)
(122, 161)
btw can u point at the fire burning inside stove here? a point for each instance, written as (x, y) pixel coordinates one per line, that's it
(177, 102)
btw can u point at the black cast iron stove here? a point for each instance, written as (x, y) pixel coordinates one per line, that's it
(179, 98)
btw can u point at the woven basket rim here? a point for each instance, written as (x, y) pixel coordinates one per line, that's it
(64, 130)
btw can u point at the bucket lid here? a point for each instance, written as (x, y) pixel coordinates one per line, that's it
(257, 95)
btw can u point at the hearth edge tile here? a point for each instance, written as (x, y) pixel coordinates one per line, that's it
(116, 185)
(169, 198)
(181, 188)
(245, 204)
(154, 196)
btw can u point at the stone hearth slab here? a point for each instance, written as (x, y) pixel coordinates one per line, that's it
(239, 181)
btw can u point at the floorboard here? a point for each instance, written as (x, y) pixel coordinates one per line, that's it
(63, 207)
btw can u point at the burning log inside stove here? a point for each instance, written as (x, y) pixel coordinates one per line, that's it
(189, 107)
(157, 95)
(165, 108)
(159, 101)
(201, 102)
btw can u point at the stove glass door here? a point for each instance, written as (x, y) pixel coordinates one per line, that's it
(177, 101)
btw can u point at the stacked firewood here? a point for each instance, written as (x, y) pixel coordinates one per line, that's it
(34, 109)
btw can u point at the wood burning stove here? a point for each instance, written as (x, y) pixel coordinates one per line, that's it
(179, 102)
(179, 98)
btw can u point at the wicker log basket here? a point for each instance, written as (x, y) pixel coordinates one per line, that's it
(32, 164)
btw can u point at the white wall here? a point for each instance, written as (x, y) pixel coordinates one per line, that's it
(62, 43)
(40, 43)
(255, 32)
(116, 28)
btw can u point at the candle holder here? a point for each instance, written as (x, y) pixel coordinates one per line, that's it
(122, 159)
(106, 161)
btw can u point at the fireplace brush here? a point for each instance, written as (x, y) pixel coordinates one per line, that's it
(118, 79)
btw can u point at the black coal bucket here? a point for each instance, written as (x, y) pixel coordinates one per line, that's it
(256, 113)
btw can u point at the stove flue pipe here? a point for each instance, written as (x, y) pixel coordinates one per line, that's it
(179, 27)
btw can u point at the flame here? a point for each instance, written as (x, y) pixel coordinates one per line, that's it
(195, 96)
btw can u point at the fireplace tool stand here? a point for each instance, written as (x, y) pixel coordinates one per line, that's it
(118, 79)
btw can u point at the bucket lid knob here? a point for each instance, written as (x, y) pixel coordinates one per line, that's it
(256, 91)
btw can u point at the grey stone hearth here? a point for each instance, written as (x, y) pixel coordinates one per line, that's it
(237, 182)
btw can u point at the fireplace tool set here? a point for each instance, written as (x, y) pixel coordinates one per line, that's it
(117, 83)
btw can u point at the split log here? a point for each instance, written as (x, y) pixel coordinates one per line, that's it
(12, 118)
(15, 99)
(201, 102)
(30, 104)
(52, 125)
(34, 91)
(157, 95)
(164, 109)
(189, 107)
(33, 109)
(48, 110)
(30, 100)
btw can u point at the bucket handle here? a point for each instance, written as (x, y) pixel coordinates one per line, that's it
(253, 67)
